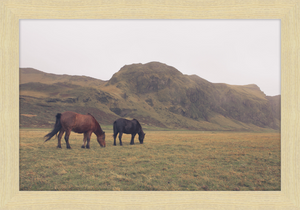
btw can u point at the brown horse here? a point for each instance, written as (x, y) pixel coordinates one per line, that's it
(72, 121)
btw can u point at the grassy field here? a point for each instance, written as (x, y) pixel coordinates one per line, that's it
(168, 160)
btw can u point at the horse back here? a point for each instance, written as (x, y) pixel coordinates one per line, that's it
(77, 122)
(126, 126)
(68, 119)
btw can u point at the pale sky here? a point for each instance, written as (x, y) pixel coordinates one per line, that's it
(237, 52)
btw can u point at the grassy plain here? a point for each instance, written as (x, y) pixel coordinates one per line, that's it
(167, 161)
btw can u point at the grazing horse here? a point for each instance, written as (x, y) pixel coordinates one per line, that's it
(72, 121)
(129, 127)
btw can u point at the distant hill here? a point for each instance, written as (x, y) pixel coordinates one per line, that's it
(154, 93)
(28, 75)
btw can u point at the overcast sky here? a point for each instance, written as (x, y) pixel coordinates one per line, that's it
(237, 52)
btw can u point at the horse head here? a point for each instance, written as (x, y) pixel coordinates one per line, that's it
(141, 137)
(101, 139)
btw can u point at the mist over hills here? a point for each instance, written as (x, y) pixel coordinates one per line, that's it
(154, 93)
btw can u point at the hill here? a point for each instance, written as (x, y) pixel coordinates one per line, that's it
(154, 93)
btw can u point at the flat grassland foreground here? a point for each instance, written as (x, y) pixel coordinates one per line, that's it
(168, 160)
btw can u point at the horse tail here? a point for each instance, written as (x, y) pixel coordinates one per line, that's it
(56, 128)
(115, 129)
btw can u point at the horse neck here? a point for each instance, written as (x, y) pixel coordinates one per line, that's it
(98, 130)
(140, 131)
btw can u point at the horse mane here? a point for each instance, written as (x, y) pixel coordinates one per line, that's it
(97, 123)
(91, 115)
(139, 125)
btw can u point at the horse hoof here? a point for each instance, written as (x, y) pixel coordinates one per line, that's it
(83, 146)
(59, 147)
(87, 147)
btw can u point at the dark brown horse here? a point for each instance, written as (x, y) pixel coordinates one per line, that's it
(132, 127)
(72, 121)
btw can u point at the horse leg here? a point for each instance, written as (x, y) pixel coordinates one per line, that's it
(84, 140)
(61, 133)
(132, 138)
(67, 135)
(88, 140)
(115, 136)
(120, 138)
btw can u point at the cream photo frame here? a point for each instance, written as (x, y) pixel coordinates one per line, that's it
(287, 11)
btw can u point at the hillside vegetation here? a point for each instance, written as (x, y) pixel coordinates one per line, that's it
(154, 93)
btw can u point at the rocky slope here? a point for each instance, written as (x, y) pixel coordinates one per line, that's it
(154, 93)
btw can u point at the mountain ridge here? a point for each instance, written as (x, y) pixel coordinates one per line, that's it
(155, 93)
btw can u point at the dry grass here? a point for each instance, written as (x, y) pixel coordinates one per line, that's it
(168, 160)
